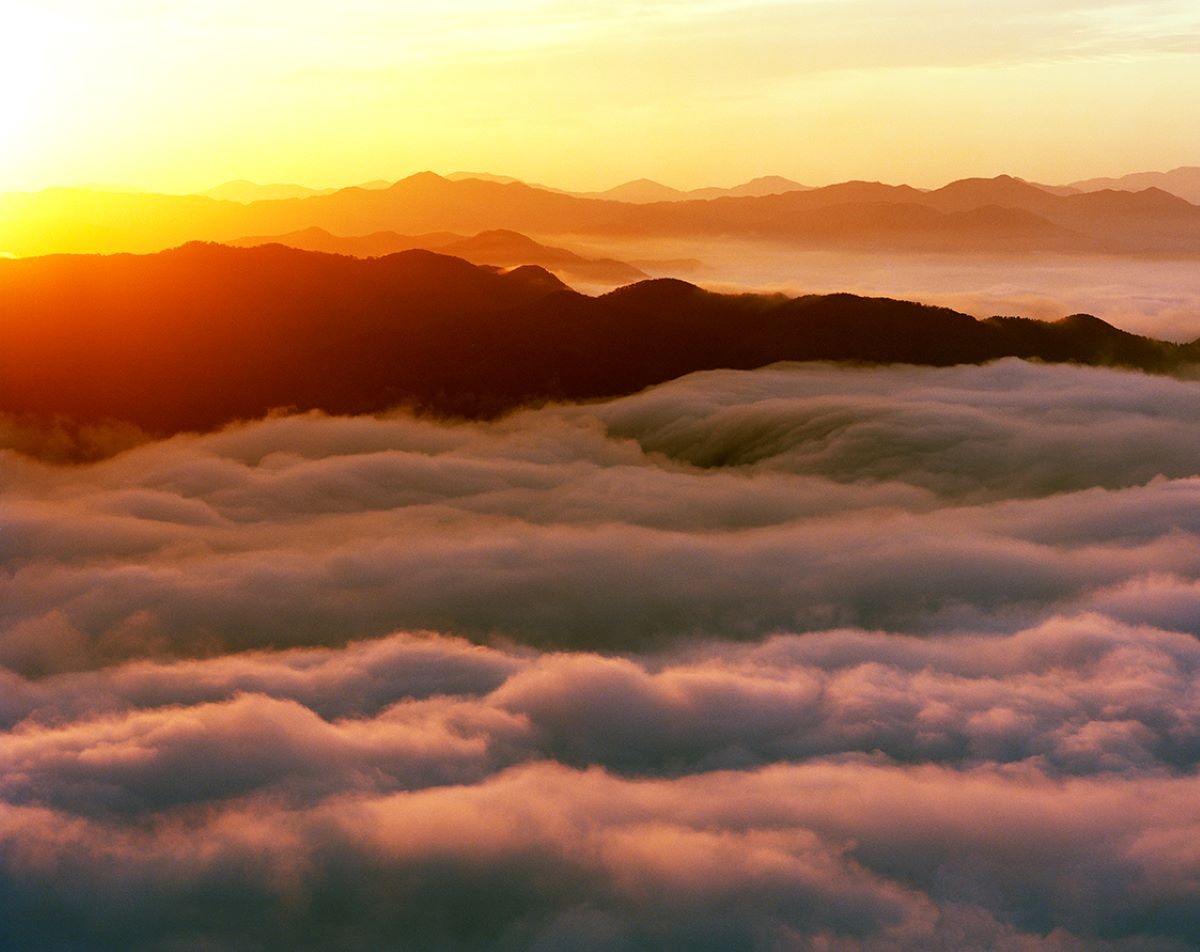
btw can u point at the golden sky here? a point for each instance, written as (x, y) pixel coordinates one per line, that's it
(177, 96)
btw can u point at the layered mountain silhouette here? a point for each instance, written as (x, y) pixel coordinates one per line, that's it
(980, 216)
(511, 249)
(1183, 182)
(245, 192)
(204, 334)
(373, 245)
(646, 191)
(500, 248)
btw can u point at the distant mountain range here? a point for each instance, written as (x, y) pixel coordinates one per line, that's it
(646, 191)
(373, 245)
(974, 216)
(501, 248)
(245, 192)
(1184, 182)
(202, 335)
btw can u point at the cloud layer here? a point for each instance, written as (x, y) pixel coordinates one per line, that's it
(799, 657)
(863, 788)
(722, 505)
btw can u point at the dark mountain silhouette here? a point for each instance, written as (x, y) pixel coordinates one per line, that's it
(509, 248)
(204, 334)
(960, 218)
(500, 248)
(360, 246)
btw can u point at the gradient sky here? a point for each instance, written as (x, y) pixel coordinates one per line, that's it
(183, 95)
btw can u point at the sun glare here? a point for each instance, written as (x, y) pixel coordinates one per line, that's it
(33, 63)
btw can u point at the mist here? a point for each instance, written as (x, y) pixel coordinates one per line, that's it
(1156, 296)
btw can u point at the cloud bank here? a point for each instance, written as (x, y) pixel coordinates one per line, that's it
(724, 505)
(1036, 789)
(798, 657)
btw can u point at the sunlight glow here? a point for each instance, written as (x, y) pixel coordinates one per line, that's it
(40, 66)
(182, 96)
(24, 69)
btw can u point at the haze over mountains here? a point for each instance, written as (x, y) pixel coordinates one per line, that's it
(500, 248)
(1183, 181)
(202, 335)
(645, 191)
(245, 192)
(971, 216)
(638, 191)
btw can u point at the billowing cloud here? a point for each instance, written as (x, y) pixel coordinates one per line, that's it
(722, 505)
(800, 657)
(1082, 695)
(855, 854)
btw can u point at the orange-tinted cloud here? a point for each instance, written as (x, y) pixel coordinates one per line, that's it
(873, 659)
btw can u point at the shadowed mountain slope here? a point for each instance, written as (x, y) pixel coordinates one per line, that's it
(360, 246)
(204, 334)
(509, 248)
(500, 248)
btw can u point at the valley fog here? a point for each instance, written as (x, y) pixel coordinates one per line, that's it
(1153, 296)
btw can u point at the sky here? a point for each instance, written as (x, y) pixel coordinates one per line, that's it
(183, 96)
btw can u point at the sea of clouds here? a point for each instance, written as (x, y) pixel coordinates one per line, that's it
(803, 657)
(1153, 295)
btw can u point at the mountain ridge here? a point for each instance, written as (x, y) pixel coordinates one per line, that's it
(203, 335)
(1149, 222)
(498, 247)
(1183, 182)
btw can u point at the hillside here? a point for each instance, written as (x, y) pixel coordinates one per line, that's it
(500, 248)
(202, 335)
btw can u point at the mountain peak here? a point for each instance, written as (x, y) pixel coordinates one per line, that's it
(642, 190)
(656, 289)
(763, 181)
(505, 234)
(1007, 182)
(535, 276)
(421, 178)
